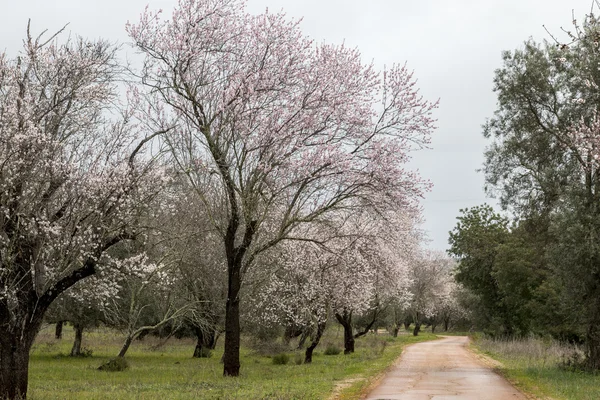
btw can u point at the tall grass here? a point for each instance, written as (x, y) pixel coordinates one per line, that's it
(532, 352)
(543, 367)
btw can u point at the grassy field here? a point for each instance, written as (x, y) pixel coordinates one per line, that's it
(169, 372)
(535, 366)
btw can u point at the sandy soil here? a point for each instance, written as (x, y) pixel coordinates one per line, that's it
(443, 370)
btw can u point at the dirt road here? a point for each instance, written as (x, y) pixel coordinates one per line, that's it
(443, 370)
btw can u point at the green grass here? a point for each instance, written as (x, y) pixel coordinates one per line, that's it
(170, 372)
(534, 366)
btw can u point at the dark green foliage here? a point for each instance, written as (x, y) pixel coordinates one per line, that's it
(332, 350)
(115, 365)
(203, 352)
(281, 359)
(544, 274)
(298, 358)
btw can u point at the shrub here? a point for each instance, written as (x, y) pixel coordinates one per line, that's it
(281, 359)
(85, 352)
(332, 350)
(203, 353)
(115, 365)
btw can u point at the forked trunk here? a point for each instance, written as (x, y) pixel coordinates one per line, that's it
(76, 349)
(345, 319)
(314, 343)
(205, 341)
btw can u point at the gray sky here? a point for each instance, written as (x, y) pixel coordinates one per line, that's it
(453, 46)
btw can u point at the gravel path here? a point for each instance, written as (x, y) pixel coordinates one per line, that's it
(443, 370)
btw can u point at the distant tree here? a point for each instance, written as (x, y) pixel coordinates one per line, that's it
(475, 243)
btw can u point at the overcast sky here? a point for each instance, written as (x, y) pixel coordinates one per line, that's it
(454, 46)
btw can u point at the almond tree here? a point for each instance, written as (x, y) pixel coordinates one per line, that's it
(280, 130)
(71, 186)
(337, 273)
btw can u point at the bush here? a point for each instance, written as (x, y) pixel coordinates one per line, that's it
(203, 353)
(85, 352)
(281, 359)
(332, 350)
(115, 365)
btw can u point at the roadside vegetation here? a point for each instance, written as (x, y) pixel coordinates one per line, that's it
(159, 370)
(543, 367)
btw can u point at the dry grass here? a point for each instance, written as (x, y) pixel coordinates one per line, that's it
(543, 367)
(532, 352)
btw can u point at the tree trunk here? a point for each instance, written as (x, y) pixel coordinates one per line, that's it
(407, 322)
(417, 329)
(14, 368)
(592, 345)
(125, 347)
(291, 332)
(315, 342)
(231, 356)
(76, 349)
(58, 330)
(16, 339)
(345, 319)
(369, 326)
(205, 341)
(302, 340)
(433, 328)
(446, 324)
(395, 331)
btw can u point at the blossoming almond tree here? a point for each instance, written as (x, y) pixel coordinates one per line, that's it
(71, 186)
(278, 128)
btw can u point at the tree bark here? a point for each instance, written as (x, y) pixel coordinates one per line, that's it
(76, 349)
(315, 342)
(369, 326)
(395, 331)
(417, 329)
(16, 339)
(125, 347)
(592, 341)
(231, 356)
(345, 319)
(291, 331)
(204, 341)
(58, 330)
(14, 368)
